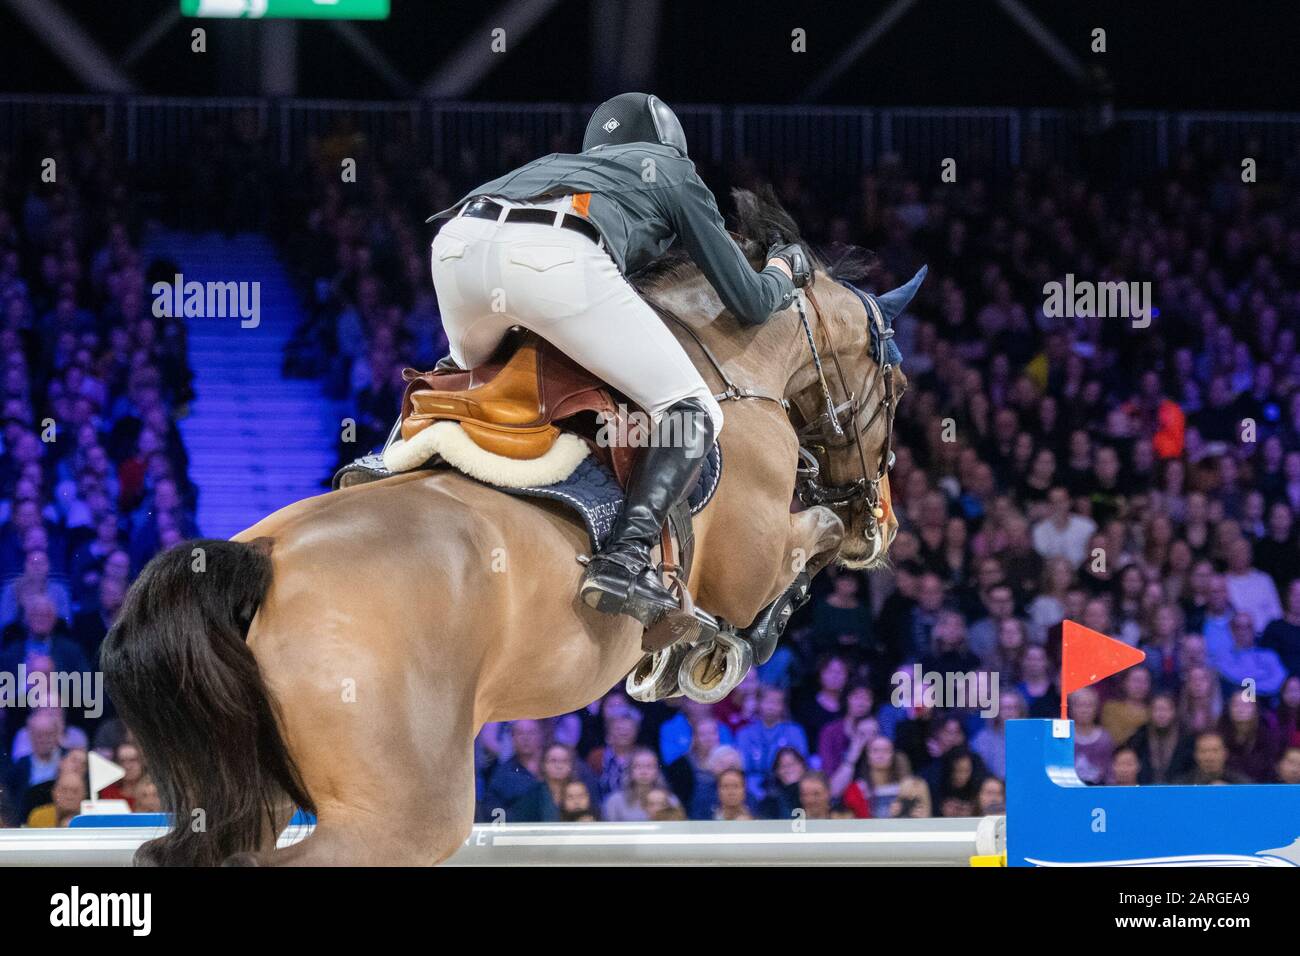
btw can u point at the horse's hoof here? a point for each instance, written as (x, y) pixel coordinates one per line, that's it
(713, 669)
(655, 675)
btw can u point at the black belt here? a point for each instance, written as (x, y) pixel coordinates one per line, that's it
(487, 209)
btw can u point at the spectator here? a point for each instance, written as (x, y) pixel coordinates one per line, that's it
(1093, 746)
(676, 735)
(982, 637)
(914, 801)
(1124, 716)
(35, 581)
(842, 612)
(41, 636)
(1250, 589)
(781, 787)
(731, 797)
(992, 798)
(1047, 610)
(633, 802)
(814, 711)
(91, 624)
(876, 780)
(512, 783)
(1288, 767)
(990, 744)
(541, 803)
(577, 806)
(69, 790)
(40, 766)
(1125, 768)
(1063, 534)
(1211, 763)
(690, 776)
(957, 783)
(1201, 702)
(1244, 662)
(761, 739)
(1163, 750)
(611, 762)
(1038, 685)
(949, 653)
(815, 796)
(1282, 636)
(1252, 738)
(836, 737)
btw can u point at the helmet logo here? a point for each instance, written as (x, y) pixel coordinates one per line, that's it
(612, 125)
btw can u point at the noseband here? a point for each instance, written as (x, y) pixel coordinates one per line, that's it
(835, 426)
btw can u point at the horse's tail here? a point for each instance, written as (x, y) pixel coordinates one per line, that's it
(184, 680)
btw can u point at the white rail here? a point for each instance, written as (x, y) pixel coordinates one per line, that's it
(930, 842)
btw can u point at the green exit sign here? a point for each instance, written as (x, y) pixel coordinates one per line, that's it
(288, 9)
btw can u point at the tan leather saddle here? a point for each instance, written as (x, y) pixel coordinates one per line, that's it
(512, 406)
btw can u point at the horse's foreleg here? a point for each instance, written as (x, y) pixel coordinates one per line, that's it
(815, 538)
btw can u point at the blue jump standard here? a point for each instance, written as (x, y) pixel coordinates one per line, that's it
(1055, 819)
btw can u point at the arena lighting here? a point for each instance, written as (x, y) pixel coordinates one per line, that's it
(287, 9)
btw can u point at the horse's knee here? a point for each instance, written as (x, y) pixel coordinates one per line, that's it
(818, 533)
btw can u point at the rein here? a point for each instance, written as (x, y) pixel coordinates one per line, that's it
(827, 430)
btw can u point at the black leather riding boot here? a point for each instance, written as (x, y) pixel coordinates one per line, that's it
(619, 579)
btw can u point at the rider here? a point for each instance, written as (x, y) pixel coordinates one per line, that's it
(548, 247)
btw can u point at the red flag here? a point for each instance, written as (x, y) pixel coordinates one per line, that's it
(1087, 657)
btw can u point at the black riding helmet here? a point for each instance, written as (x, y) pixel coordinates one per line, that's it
(634, 118)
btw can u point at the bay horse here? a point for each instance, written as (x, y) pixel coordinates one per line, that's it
(342, 654)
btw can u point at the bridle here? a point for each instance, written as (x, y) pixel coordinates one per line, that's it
(825, 424)
(837, 425)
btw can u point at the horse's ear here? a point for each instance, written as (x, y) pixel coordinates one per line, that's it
(893, 303)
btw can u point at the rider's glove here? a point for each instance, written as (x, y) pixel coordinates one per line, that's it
(792, 254)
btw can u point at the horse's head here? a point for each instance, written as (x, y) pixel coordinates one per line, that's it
(843, 395)
(841, 399)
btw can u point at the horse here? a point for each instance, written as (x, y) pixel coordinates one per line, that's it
(342, 654)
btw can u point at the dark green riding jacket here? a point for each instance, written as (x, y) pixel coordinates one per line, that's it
(643, 196)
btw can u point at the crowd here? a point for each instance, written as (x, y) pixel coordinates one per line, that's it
(1140, 478)
(93, 473)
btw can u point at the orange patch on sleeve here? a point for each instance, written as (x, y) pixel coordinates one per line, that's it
(580, 203)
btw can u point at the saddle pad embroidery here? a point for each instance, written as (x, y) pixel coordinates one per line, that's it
(594, 493)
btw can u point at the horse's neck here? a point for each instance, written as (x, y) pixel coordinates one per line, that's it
(742, 535)
(757, 357)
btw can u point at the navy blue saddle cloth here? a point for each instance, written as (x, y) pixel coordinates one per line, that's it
(594, 492)
(591, 490)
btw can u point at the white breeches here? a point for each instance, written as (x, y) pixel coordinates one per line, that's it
(558, 283)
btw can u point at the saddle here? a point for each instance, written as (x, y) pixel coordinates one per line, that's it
(518, 405)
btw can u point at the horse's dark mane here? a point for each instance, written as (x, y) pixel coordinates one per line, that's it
(760, 221)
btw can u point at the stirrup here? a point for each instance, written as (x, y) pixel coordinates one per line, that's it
(639, 595)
